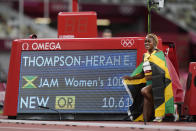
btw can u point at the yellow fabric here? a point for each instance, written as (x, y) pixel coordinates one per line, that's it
(161, 64)
(140, 118)
(168, 92)
(157, 61)
(149, 73)
(135, 82)
(160, 111)
(147, 55)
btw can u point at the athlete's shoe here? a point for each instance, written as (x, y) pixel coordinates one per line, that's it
(176, 115)
(158, 119)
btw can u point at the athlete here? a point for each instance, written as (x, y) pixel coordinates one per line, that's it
(154, 70)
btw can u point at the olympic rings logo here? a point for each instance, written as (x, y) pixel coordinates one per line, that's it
(127, 42)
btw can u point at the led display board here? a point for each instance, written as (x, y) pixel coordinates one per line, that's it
(75, 81)
(82, 75)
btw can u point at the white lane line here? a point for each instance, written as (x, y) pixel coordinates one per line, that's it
(96, 124)
(27, 128)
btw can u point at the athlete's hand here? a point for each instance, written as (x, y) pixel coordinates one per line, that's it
(127, 78)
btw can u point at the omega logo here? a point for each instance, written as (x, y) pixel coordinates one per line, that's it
(25, 46)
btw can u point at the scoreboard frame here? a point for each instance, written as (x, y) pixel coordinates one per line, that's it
(80, 44)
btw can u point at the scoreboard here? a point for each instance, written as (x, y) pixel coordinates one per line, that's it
(73, 81)
(71, 75)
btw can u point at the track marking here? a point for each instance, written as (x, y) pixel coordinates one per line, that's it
(27, 128)
(96, 124)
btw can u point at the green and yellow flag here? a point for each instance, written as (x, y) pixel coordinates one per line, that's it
(29, 81)
(161, 87)
(134, 90)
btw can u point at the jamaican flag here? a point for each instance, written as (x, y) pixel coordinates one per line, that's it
(133, 88)
(161, 88)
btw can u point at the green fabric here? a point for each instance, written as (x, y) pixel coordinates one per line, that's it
(160, 54)
(138, 70)
(149, 82)
(168, 108)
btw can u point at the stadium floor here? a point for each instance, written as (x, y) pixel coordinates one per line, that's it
(29, 125)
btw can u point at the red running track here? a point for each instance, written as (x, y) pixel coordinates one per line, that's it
(29, 125)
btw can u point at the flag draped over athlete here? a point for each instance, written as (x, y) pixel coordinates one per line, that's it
(161, 88)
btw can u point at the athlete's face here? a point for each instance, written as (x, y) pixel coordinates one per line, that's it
(149, 44)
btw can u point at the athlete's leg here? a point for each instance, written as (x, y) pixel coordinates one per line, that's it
(148, 109)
